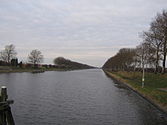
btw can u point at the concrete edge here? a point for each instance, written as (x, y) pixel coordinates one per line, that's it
(120, 80)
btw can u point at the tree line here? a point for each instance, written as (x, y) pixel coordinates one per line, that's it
(151, 53)
(8, 56)
(66, 63)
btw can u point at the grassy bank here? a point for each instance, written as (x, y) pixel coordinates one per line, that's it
(8, 69)
(155, 86)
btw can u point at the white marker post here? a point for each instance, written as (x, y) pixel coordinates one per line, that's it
(143, 73)
(143, 79)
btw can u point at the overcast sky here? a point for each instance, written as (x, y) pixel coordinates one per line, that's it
(88, 31)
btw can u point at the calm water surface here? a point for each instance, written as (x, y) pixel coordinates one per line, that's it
(83, 97)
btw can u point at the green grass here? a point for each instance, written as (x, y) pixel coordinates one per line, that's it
(9, 69)
(152, 84)
(151, 80)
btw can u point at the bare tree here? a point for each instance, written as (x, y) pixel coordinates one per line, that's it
(159, 35)
(162, 20)
(145, 55)
(153, 39)
(35, 57)
(8, 53)
(157, 38)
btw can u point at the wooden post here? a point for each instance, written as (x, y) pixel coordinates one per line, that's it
(4, 97)
(6, 117)
(9, 117)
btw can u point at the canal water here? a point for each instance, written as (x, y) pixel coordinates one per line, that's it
(82, 97)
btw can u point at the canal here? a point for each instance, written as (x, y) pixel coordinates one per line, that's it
(81, 97)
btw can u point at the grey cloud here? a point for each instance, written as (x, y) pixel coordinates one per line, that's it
(87, 30)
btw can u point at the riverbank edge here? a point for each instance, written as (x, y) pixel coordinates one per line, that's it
(148, 98)
(35, 70)
(27, 70)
